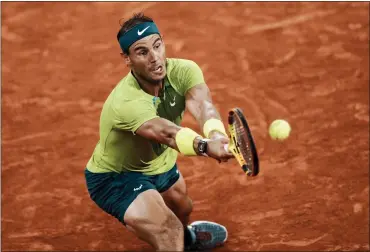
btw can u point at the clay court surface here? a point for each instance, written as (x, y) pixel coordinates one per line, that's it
(304, 62)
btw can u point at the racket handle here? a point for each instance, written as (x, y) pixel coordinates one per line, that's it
(226, 147)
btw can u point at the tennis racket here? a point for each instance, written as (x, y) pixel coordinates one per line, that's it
(241, 143)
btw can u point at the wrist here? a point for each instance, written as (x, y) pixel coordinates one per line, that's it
(185, 141)
(201, 146)
(215, 134)
(213, 125)
(196, 143)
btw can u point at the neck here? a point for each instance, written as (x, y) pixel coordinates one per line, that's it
(152, 88)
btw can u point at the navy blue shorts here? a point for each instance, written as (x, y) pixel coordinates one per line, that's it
(114, 192)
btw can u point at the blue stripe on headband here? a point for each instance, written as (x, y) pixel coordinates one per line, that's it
(137, 32)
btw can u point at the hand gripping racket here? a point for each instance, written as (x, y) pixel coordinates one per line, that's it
(241, 143)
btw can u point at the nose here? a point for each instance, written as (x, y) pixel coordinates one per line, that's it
(153, 56)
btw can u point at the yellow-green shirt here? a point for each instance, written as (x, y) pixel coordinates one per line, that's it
(127, 107)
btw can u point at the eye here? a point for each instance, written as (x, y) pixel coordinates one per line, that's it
(143, 53)
(156, 46)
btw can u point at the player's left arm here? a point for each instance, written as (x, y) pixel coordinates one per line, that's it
(198, 101)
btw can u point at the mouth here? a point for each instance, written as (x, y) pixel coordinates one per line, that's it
(157, 70)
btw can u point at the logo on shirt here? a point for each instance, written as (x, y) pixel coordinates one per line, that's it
(173, 103)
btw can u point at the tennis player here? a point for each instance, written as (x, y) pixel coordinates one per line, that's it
(132, 173)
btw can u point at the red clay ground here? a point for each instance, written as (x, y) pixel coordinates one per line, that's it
(304, 62)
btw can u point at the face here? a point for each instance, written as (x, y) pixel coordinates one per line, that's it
(147, 58)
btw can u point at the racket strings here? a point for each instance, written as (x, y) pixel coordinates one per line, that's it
(243, 141)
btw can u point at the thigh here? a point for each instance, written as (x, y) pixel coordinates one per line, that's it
(177, 199)
(176, 192)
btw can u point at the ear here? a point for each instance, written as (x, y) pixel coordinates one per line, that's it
(126, 58)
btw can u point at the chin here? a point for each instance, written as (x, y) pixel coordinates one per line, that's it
(157, 78)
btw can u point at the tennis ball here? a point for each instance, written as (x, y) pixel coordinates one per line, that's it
(279, 129)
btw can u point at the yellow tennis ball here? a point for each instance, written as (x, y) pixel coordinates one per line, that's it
(279, 129)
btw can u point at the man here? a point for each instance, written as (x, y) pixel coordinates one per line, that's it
(132, 173)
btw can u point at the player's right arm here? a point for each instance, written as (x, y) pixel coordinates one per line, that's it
(179, 138)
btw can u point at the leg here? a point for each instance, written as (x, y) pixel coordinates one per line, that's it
(152, 221)
(200, 234)
(178, 201)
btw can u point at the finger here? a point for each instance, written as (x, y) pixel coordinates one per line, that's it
(222, 160)
(225, 140)
(229, 155)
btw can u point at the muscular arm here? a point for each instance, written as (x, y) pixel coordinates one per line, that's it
(162, 131)
(199, 103)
